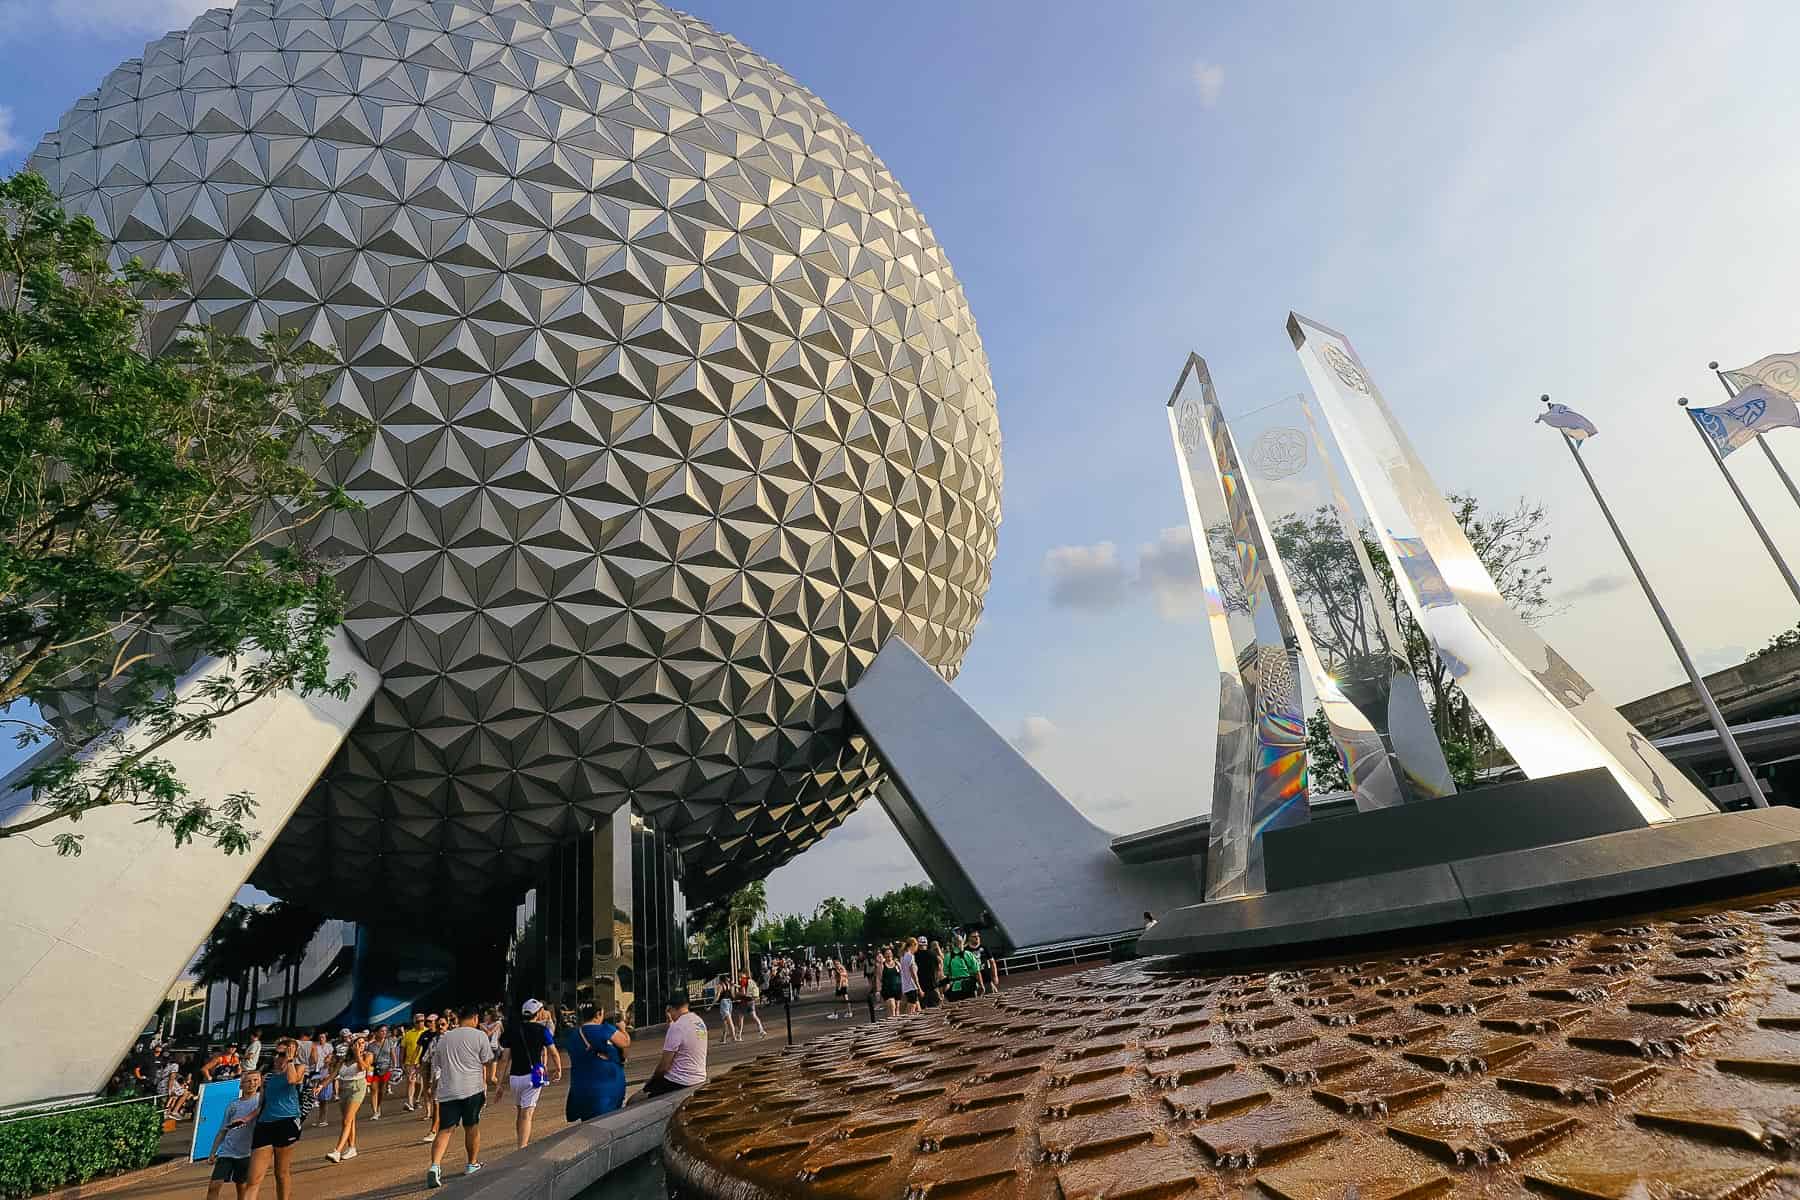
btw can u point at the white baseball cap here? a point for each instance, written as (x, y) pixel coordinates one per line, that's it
(531, 1008)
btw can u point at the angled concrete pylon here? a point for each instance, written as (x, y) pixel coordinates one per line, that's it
(998, 840)
(106, 933)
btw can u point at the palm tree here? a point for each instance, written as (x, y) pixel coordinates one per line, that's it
(748, 905)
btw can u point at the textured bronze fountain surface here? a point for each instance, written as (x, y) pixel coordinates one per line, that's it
(1655, 1059)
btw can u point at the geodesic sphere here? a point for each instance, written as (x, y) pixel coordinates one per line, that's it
(681, 412)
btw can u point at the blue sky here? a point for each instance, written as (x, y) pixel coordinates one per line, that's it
(1493, 201)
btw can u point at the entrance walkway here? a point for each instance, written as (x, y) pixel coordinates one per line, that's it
(391, 1158)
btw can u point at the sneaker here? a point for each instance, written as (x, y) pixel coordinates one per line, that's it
(334, 1156)
(434, 1176)
(428, 1137)
(471, 1168)
(411, 1107)
(350, 1154)
(374, 1116)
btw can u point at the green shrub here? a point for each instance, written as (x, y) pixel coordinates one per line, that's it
(54, 1149)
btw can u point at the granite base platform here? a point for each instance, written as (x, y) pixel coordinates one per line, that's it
(1738, 851)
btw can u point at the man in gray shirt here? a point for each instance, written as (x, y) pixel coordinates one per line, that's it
(457, 1059)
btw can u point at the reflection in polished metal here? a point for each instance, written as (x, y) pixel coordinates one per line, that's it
(1259, 771)
(1418, 754)
(1536, 703)
(681, 413)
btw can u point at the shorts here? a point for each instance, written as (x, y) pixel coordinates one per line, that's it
(380, 1078)
(352, 1091)
(231, 1170)
(909, 997)
(843, 993)
(466, 1111)
(525, 1093)
(282, 1131)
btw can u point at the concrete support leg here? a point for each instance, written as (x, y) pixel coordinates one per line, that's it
(93, 943)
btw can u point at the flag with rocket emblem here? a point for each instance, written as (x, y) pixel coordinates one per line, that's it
(1748, 415)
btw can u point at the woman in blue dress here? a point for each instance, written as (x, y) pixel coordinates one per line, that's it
(596, 1066)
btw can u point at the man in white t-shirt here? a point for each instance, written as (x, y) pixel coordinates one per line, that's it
(459, 1058)
(683, 1062)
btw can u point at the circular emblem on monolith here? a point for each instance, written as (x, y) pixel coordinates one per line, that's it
(1278, 453)
(1345, 367)
(1629, 1057)
(1187, 424)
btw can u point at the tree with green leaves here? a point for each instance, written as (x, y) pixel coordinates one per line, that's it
(912, 909)
(1511, 543)
(153, 514)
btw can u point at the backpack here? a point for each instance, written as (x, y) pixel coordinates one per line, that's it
(753, 992)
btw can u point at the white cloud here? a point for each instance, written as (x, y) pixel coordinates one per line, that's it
(1086, 577)
(1167, 570)
(1599, 585)
(1035, 733)
(1209, 81)
(117, 17)
(9, 141)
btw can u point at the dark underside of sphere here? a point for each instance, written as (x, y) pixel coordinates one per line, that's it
(681, 414)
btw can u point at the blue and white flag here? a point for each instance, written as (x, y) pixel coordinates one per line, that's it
(1746, 416)
(1572, 423)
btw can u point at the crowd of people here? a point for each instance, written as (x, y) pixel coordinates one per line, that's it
(918, 973)
(445, 1067)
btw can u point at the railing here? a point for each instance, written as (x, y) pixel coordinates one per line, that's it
(1066, 953)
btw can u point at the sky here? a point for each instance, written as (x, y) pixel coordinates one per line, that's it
(1494, 202)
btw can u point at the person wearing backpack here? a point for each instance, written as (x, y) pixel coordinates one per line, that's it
(962, 971)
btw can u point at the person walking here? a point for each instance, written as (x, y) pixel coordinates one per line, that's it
(315, 1058)
(840, 977)
(354, 1066)
(458, 1057)
(596, 1066)
(683, 1061)
(890, 982)
(990, 966)
(528, 1042)
(277, 1128)
(409, 1059)
(909, 976)
(931, 962)
(428, 1065)
(381, 1056)
(231, 1148)
(751, 993)
(726, 986)
(494, 1027)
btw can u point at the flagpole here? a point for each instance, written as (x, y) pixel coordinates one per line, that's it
(1756, 524)
(1738, 762)
(1781, 471)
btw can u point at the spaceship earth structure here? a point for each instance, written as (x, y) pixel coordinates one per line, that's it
(680, 410)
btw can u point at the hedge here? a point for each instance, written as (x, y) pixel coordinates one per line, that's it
(39, 1152)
